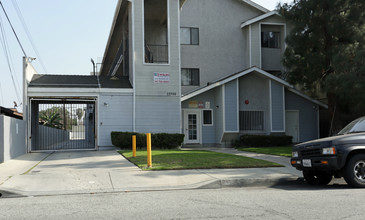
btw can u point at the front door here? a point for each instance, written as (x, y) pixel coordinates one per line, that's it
(192, 127)
(292, 125)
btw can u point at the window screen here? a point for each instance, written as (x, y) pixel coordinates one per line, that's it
(251, 120)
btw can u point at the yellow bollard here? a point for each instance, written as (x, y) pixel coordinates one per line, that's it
(134, 145)
(149, 151)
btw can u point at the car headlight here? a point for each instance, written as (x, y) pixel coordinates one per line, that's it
(294, 154)
(329, 151)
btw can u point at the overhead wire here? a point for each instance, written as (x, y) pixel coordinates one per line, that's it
(8, 59)
(17, 38)
(22, 20)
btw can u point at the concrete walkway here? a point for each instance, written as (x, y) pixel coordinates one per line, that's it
(55, 173)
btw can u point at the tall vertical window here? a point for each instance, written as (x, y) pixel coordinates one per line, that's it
(270, 39)
(189, 35)
(190, 77)
(156, 42)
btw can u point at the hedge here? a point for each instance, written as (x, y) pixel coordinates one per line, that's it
(264, 140)
(159, 140)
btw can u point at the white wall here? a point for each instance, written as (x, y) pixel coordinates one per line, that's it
(12, 138)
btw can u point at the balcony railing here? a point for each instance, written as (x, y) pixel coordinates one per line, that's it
(156, 53)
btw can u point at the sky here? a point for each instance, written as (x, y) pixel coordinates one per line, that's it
(66, 34)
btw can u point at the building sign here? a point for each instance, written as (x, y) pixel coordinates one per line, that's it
(193, 104)
(161, 78)
(200, 104)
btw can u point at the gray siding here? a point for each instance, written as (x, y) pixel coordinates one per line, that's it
(277, 107)
(116, 116)
(230, 106)
(218, 117)
(271, 57)
(144, 84)
(12, 138)
(308, 115)
(222, 48)
(208, 132)
(157, 115)
(255, 89)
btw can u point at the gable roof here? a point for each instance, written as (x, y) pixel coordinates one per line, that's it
(255, 5)
(259, 18)
(243, 73)
(79, 81)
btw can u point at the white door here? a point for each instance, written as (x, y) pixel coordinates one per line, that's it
(192, 127)
(292, 125)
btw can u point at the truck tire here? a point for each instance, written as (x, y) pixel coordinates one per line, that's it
(317, 177)
(355, 171)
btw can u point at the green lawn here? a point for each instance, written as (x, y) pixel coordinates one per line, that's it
(188, 159)
(279, 151)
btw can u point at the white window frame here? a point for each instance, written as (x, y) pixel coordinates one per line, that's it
(211, 110)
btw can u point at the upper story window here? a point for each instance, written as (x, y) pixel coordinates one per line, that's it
(190, 77)
(156, 40)
(189, 36)
(270, 39)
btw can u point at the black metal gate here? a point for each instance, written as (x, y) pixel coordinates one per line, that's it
(62, 125)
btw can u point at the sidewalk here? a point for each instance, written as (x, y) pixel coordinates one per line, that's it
(56, 173)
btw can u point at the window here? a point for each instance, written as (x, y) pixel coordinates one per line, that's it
(270, 39)
(207, 117)
(189, 36)
(190, 77)
(156, 44)
(251, 120)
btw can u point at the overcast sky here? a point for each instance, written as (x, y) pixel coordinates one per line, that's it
(66, 34)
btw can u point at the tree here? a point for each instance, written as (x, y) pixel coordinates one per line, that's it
(51, 118)
(325, 52)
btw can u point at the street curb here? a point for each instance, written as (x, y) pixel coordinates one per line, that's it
(252, 182)
(213, 184)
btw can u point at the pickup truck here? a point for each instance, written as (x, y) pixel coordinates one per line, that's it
(339, 156)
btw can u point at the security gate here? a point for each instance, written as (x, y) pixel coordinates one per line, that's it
(62, 125)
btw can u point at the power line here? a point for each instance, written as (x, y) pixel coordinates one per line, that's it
(8, 58)
(21, 46)
(22, 20)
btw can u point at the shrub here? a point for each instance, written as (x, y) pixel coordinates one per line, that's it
(264, 140)
(159, 140)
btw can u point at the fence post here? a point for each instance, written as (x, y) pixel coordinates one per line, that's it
(149, 153)
(134, 145)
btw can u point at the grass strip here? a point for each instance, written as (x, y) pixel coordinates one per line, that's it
(279, 151)
(191, 159)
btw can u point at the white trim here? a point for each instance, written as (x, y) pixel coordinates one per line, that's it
(260, 46)
(258, 18)
(207, 125)
(168, 37)
(245, 72)
(179, 49)
(308, 98)
(238, 105)
(224, 107)
(250, 44)
(284, 119)
(270, 106)
(46, 91)
(134, 67)
(238, 75)
(257, 6)
(199, 126)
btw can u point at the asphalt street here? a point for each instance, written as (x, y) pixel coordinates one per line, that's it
(284, 202)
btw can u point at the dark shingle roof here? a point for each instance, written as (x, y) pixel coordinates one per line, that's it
(79, 81)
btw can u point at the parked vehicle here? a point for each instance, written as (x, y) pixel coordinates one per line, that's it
(339, 156)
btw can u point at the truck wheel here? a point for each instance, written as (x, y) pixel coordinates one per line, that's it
(317, 177)
(355, 171)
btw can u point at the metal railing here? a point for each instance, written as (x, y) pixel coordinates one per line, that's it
(156, 53)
